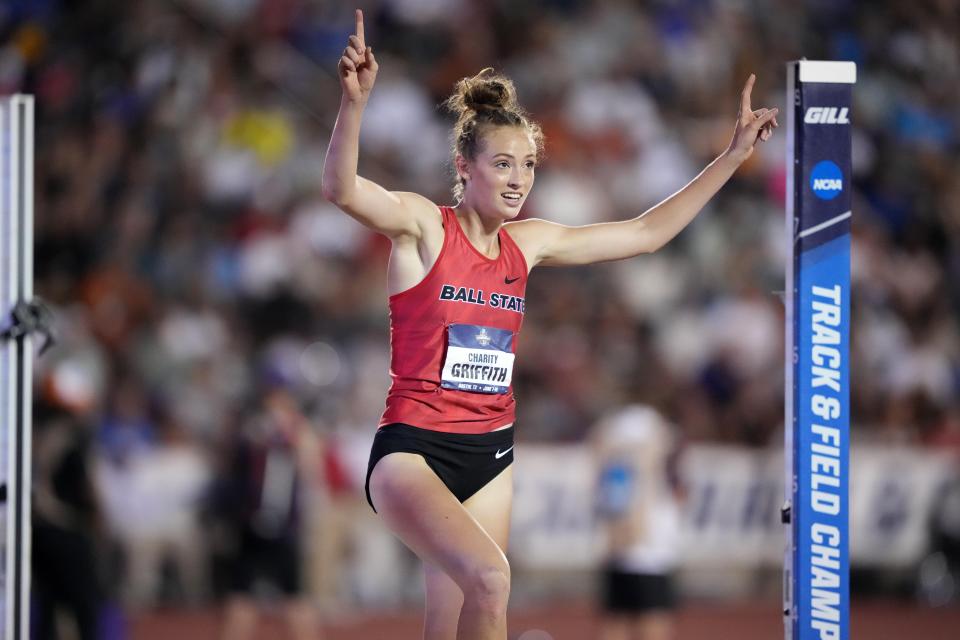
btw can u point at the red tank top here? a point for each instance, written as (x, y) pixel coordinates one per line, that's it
(453, 337)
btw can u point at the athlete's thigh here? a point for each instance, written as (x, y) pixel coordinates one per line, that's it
(490, 507)
(421, 511)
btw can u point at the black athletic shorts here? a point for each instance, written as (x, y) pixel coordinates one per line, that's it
(465, 462)
(266, 561)
(630, 592)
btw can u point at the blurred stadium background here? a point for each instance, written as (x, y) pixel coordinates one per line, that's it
(208, 298)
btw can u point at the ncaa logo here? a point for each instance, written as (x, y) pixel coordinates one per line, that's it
(826, 180)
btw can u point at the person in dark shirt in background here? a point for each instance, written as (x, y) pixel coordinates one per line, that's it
(274, 454)
(65, 523)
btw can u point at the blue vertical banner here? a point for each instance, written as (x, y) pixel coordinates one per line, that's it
(817, 392)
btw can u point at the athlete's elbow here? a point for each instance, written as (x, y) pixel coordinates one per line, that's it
(652, 247)
(335, 193)
(644, 245)
(644, 239)
(654, 240)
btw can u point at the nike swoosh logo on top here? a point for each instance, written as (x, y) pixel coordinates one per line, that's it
(510, 280)
(499, 454)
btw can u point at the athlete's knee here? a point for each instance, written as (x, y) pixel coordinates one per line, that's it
(488, 588)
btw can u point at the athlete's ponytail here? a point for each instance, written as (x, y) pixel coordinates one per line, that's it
(488, 99)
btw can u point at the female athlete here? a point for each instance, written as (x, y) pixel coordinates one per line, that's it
(439, 473)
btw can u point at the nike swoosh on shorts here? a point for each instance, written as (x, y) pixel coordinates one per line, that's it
(499, 454)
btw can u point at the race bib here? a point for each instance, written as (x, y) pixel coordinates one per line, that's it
(479, 359)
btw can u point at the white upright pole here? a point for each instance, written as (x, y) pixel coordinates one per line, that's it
(16, 285)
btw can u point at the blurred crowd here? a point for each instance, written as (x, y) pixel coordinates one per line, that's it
(197, 273)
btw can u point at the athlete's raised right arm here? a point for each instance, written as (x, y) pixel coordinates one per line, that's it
(390, 213)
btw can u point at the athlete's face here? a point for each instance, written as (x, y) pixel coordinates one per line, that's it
(500, 177)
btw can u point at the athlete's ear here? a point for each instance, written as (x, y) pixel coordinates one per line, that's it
(463, 170)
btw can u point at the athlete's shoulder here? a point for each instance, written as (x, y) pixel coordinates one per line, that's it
(424, 210)
(531, 235)
(426, 216)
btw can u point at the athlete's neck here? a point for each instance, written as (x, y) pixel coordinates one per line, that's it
(480, 231)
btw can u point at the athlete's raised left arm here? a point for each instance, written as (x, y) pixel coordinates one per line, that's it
(552, 244)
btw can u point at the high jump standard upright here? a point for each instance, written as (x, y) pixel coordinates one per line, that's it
(16, 287)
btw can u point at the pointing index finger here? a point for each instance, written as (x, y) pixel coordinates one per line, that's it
(359, 18)
(745, 96)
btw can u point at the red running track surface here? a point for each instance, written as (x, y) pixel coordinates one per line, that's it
(872, 620)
